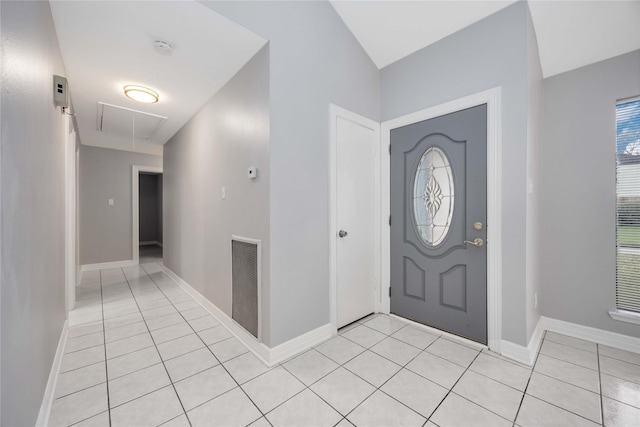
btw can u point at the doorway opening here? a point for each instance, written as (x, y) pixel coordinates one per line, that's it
(147, 214)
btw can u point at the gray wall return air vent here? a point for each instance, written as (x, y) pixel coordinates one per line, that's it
(245, 284)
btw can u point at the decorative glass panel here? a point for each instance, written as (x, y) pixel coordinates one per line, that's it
(433, 197)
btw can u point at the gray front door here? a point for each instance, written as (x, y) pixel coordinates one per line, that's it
(439, 201)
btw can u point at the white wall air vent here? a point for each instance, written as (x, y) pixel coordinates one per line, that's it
(127, 122)
(245, 284)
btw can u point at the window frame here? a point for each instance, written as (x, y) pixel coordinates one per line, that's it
(622, 314)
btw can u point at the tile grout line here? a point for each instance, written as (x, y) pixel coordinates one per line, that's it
(524, 392)
(104, 336)
(129, 352)
(85, 419)
(207, 347)
(621, 360)
(135, 372)
(373, 352)
(308, 387)
(498, 381)
(550, 403)
(572, 346)
(566, 361)
(86, 388)
(401, 368)
(600, 386)
(451, 388)
(389, 379)
(156, 347)
(418, 348)
(82, 367)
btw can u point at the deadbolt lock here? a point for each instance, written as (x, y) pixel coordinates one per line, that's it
(477, 225)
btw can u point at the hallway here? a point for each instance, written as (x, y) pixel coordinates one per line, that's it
(150, 253)
(168, 362)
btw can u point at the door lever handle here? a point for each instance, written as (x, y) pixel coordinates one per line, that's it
(476, 242)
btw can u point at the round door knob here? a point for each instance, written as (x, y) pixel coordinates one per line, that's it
(342, 233)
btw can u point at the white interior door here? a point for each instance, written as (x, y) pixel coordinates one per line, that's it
(356, 146)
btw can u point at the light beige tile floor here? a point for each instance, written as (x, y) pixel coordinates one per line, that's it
(142, 352)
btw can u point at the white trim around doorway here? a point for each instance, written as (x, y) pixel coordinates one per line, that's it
(334, 113)
(492, 98)
(71, 269)
(135, 191)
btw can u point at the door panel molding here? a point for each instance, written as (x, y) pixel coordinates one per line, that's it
(336, 112)
(492, 98)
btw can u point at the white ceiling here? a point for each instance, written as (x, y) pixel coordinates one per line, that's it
(391, 30)
(570, 33)
(108, 44)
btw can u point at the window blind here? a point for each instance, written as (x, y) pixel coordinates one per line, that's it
(628, 205)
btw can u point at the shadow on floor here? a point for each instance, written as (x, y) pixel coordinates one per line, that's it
(150, 253)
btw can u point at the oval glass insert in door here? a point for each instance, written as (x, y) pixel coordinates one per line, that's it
(433, 197)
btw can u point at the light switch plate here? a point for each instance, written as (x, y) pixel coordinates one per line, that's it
(110, 202)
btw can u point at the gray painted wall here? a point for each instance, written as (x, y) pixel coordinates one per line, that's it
(214, 149)
(149, 208)
(106, 232)
(489, 53)
(33, 209)
(534, 154)
(314, 61)
(578, 191)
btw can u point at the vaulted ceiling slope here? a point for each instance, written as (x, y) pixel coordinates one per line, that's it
(108, 44)
(570, 34)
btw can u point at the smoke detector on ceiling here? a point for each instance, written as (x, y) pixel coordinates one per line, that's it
(163, 47)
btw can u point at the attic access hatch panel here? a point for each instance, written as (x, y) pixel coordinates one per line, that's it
(127, 122)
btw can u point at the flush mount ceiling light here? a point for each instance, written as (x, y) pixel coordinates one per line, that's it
(141, 94)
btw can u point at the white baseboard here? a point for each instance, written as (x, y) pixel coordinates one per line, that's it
(527, 355)
(520, 353)
(270, 356)
(611, 339)
(112, 264)
(301, 343)
(47, 399)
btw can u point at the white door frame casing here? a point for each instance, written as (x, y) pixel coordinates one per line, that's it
(492, 98)
(336, 112)
(135, 186)
(70, 217)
